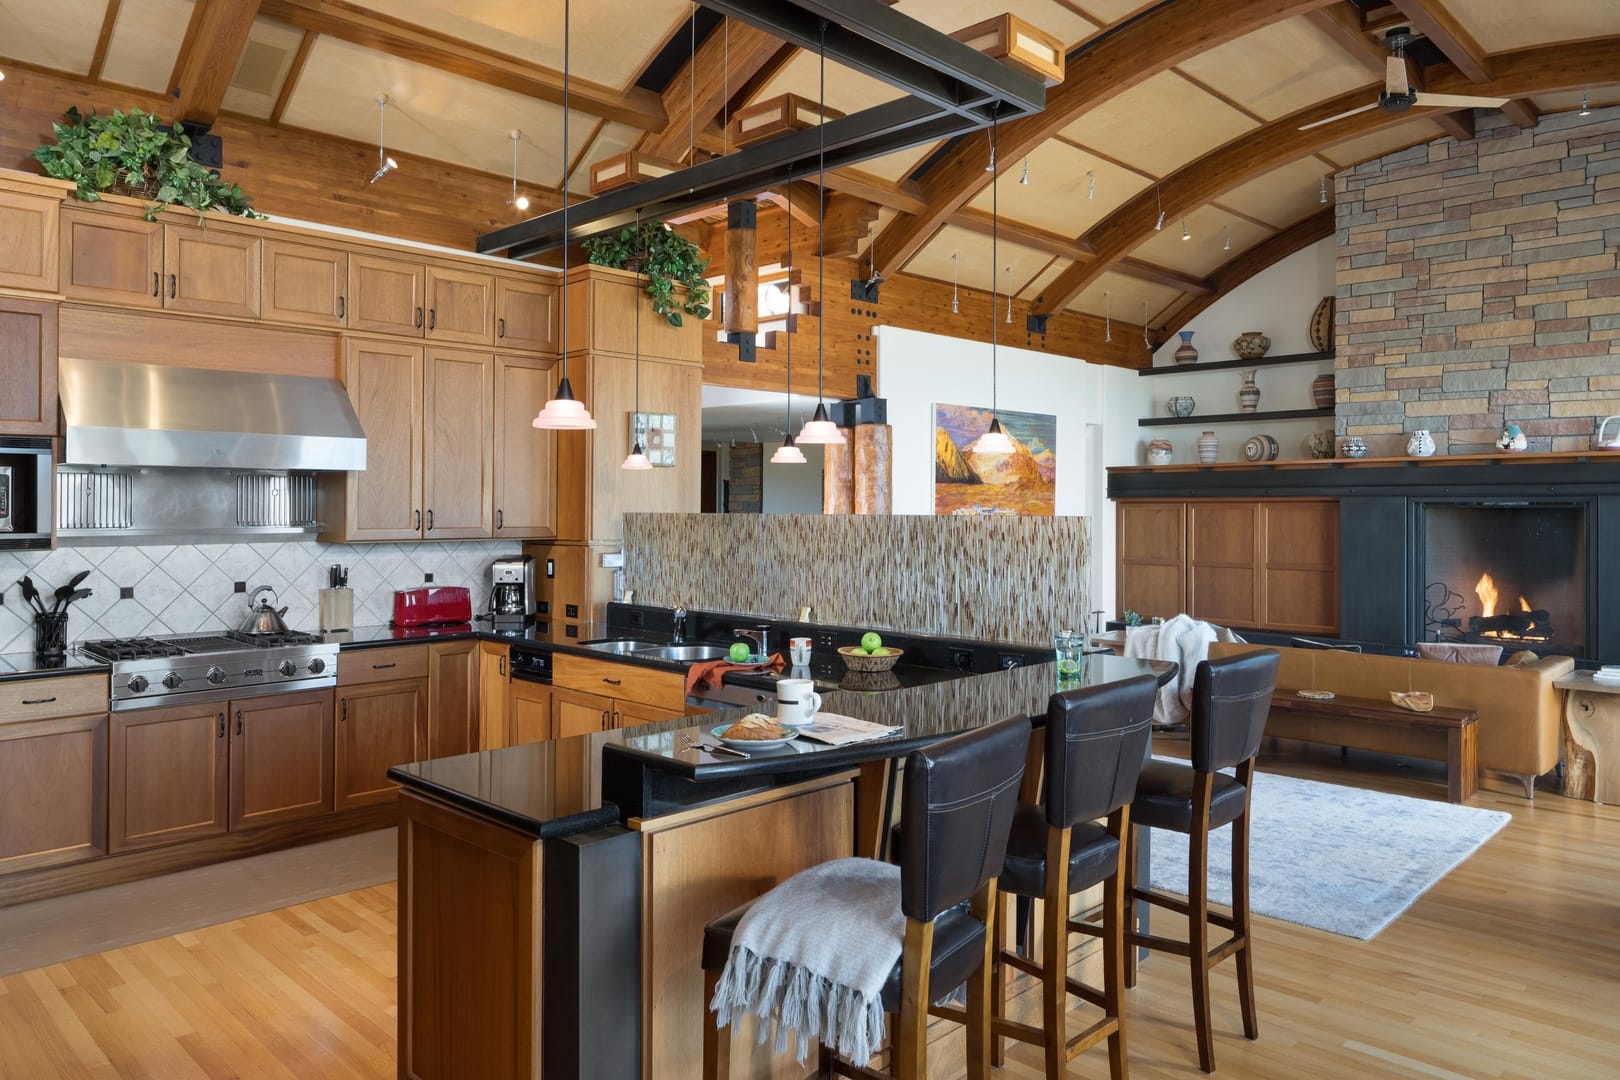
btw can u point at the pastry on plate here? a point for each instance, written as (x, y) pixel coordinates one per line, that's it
(757, 726)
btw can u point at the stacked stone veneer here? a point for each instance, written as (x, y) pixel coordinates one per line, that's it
(1477, 286)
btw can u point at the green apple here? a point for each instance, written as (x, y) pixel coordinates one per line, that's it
(739, 652)
(870, 643)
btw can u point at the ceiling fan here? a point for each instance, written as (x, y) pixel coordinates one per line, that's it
(1398, 95)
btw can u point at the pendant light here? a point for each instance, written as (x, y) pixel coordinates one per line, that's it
(564, 412)
(994, 441)
(789, 453)
(820, 430)
(385, 164)
(636, 460)
(519, 201)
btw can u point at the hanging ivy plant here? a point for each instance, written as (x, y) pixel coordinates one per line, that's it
(136, 153)
(667, 258)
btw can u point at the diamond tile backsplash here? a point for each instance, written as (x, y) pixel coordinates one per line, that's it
(183, 589)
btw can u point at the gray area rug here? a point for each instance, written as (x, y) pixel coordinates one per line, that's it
(1335, 858)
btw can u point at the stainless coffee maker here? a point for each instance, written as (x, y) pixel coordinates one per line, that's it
(512, 593)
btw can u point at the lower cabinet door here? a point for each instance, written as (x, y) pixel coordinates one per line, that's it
(53, 791)
(630, 713)
(168, 775)
(528, 712)
(378, 726)
(281, 758)
(575, 712)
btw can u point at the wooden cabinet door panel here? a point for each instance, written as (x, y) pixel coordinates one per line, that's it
(378, 726)
(305, 284)
(53, 791)
(577, 713)
(384, 381)
(111, 258)
(1223, 565)
(457, 497)
(525, 457)
(1301, 564)
(630, 713)
(461, 306)
(627, 682)
(28, 361)
(452, 698)
(212, 271)
(493, 691)
(28, 227)
(168, 775)
(386, 295)
(525, 315)
(281, 758)
(1152, 554)
(529, 712)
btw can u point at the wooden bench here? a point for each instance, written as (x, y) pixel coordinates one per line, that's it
(1447, 735)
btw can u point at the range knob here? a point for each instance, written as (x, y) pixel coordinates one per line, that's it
(137, 684)
(316, 666)
(173, 680)
(216, 675)
(287, 668)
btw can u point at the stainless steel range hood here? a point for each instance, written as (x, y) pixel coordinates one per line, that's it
(120, 413)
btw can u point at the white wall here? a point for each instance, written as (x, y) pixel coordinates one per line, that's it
(792, 489)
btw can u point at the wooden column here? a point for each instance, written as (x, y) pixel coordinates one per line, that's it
(838, 476)
(742, 278)
(873, 456)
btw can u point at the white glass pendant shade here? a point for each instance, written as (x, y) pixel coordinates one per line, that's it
(564, 412)
(636, 460)
(788, 453)
(994, 441)
(820, 430)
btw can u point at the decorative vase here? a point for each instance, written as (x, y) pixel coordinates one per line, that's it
(1248, 394)
(1209, 448)
(1251, 345)
(1260, 448)
(1322, 391)
(1321, 326)
(1185, 353)
(1354, 448)
(1181, 405)
(1160, 452)
(1512, 439)
(1320, 444)
(1421, 444)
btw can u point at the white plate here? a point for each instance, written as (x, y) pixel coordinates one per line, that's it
(751, 744)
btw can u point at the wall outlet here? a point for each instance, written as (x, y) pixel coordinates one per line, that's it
(962, 659)
(613, 560)
(1009, 661)
(824, 639)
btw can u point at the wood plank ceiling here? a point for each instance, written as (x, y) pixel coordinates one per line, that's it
(1191, 106)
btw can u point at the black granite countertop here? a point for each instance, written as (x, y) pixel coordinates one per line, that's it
(16, 666)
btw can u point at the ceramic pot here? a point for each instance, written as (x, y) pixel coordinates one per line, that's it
(1185, 353)
(1158, 457)
(1354, 448)
(1209, 448)
(1251, 345)
(1320, 329)
(1512, 439)
(1421, 444)
(1260, 448)
(1320, 444)
(1248, 394)
(1181, 405)
(1322, 391)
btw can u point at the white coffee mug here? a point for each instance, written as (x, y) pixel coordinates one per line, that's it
(797, 701)
(799, 651)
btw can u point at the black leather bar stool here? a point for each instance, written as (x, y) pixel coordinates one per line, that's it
(1096, 740)
(1231, 698)
(957, 807)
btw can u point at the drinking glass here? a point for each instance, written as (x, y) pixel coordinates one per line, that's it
(1069, 645)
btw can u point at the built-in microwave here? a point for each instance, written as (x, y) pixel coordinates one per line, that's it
(26, 508)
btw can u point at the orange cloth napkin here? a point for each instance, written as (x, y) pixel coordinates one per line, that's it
(707, 675)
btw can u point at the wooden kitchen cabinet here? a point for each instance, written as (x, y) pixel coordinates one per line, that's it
(379, 725)
(525, 315)
(493, 690)
(168, 775)
(1223, 556)
(386, 296)
(1152, 544)
(111, 257)
(53, 789)
(625, 682)
(525, 459)
(211, 271)
(453, 685)
(305, 284)
(28, 359)
(384, 382)
(460, 306)
(627, 714)
(28, 239)
(459, 408)
(1299, 586)
(281, 758)
(574, 712)
(529, 712)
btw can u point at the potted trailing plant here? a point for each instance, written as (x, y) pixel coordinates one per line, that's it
(667, 258)
(136, 153)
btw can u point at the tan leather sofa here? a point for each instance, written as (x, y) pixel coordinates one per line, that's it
(1519, 710)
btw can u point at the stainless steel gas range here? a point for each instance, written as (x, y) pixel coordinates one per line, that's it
(182, 668)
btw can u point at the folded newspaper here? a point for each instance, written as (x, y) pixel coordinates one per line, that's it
(836, 730)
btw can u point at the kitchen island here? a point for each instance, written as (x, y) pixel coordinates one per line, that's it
(553, 895)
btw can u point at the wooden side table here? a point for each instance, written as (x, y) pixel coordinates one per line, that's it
(1591, 738)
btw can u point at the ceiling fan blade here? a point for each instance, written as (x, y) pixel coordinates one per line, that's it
(1340, 116)
(1395, 77)
(1455, 101)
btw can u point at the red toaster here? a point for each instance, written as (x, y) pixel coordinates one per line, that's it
(432, 605)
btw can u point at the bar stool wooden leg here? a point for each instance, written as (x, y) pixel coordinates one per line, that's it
(911, 1038)
(998, 983)
(1055, 952)
(981, 987)
(716, 1041)
(1130, 903)
(1114, 947)
(1240, 908)
(1198, 921)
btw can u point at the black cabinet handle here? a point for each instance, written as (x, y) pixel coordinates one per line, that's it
(503, 665)
(38, 700)
(418, 525)
(239, 721)
(419, 318)
(500, 325)
(382, 667)
(343, 710)
(343, 307)
(154, 283)
(174, 283)
(221, 725)
(613, 682)
(433, 318)
(430, 521)
(500, 519)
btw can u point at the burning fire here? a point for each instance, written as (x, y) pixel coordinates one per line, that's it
(1485, 589)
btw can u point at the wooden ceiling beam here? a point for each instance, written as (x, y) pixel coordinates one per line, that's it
(1459, 125)
(1270, 251)
(1431, 19)
(1543, 69)
(383, 33)
(1343, 23)
(109, 19)
(720, 67)
(1157, 41)
(215, 38)
(1019, 233)
(1523, 113)
(1142, 270)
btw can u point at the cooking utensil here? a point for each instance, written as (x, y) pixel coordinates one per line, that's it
(262, 617)
(1610, 443)
(66, 591)
(31, 594)
(75, 596)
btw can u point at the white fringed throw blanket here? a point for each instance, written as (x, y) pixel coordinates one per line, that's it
(812, 955)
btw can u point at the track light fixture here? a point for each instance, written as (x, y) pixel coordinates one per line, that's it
(1108, 318)
(519, 201)
(1228, 245)
(955, 308)
(1091, 185)
(1586, 104)
(1185, 235)
(1158, 198)
(1009, 294)
(1023, 181)
(1147, 342)
(385, 164)
(1322, 191)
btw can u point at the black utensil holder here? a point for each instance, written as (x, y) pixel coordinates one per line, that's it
(50, 635)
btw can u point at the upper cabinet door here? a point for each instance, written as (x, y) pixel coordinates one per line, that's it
(460, 306)
(111, 258)
(525, 458)
(525, 315)
(211, 270)
(384, 380)
(305, 284)
(28, 358)
(28, 226)
(457, 485)
(386, 296)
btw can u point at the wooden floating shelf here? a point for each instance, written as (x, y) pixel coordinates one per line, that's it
(1233, 418)
(1226, 365)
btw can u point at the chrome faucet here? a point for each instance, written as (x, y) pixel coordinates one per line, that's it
(760, 635)
(679, 634)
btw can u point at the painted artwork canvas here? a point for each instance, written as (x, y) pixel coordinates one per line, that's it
(969, 481)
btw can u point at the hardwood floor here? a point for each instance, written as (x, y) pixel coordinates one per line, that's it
(1506, 969)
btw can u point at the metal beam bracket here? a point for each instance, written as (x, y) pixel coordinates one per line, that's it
(1036, 324)
(865, 291)
(746, 345)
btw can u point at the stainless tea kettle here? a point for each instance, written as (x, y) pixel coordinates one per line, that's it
(1601, 441)
(262, 618)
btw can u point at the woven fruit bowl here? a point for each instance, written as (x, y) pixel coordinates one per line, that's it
(857, 659)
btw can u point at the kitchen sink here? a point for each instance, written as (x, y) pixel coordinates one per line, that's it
(684, 653)
(620, 647)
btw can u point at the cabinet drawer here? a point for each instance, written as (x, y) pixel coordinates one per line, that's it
(382, 665)
(629, 682)
(40, 699)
